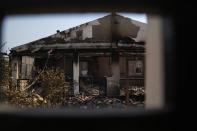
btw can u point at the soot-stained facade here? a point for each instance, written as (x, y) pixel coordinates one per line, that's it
(108, 52)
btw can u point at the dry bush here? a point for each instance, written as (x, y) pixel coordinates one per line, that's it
(54, 91)
(54, 87)
(4, 72)
(4, 77)
(24, 99)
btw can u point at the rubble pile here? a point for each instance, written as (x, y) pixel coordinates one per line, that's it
(137, 93)
(90, 98)
(92, 91)
(100, 103)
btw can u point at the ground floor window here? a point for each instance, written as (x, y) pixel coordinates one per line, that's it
(135, 67)
(27, 65)
(84, 68)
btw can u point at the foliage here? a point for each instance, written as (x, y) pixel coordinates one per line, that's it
(4, 71)
(4, 77)
(54, 87)
(3, 67)
(54, 91)
(24, 99)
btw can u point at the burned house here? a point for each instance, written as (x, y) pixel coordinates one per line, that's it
(108, 52)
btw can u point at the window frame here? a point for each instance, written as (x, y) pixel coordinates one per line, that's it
(135, 61)
(27, 67)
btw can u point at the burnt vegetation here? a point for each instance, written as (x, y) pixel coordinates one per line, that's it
(99, 64)
(51, 91)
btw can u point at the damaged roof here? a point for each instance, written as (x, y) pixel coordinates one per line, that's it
(96, 34)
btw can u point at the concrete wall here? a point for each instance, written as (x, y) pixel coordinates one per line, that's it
(109, 28)
(124, 27)
(98, 66)
(68, 66)
(112, 28)
(142, 34)
(123, 66)
(114, 81)
(101, 66)
(102, 31)
(104, 66)
(87, 32)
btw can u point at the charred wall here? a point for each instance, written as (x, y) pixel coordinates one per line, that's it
(102, 31)
(114, 27)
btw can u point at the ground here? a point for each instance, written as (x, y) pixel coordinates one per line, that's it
(102, 103)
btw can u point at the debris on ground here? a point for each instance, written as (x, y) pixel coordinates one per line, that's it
(90, 98)
(92, 91)
(137, 93)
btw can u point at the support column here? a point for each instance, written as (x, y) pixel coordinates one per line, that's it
(114, 81)
(14, 64)
(76, 73)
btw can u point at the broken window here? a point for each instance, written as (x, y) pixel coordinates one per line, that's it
(135, 67)
(27, 64)
(84, 68)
